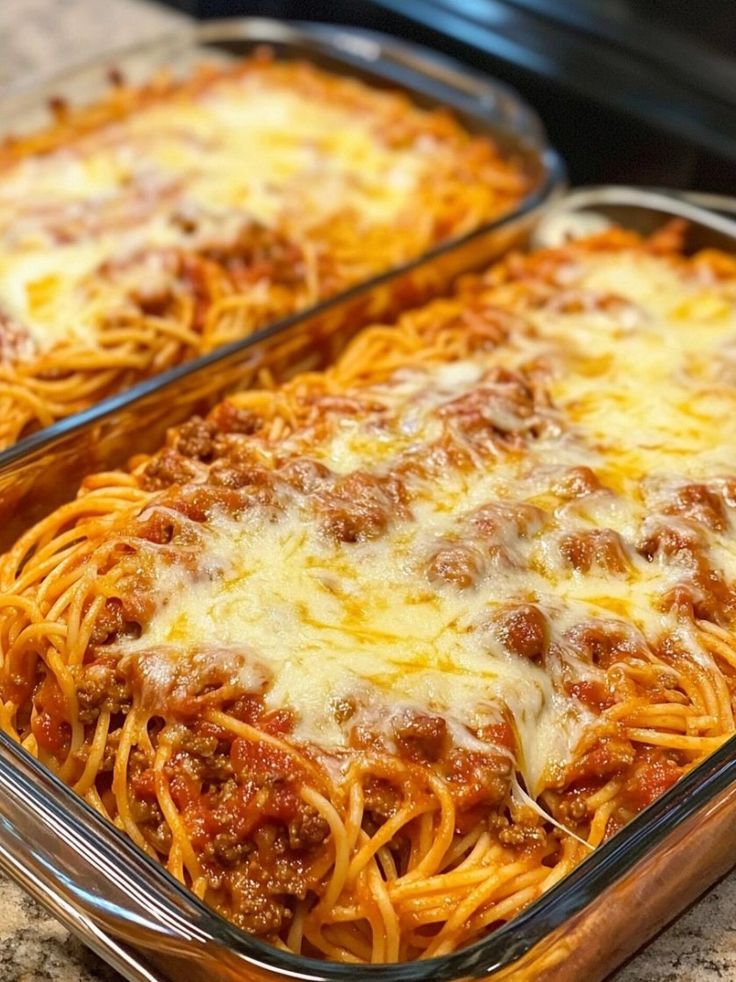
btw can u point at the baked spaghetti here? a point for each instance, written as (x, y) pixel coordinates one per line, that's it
(372, 659)
(170, 219)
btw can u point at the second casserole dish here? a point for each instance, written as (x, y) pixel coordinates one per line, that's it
(174, 216)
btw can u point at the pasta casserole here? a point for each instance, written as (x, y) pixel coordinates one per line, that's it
(373, 658)
(175, 217)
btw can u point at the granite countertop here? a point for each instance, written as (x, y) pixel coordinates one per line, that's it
(38, 36)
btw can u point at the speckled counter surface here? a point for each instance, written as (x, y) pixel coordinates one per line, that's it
(38, 36)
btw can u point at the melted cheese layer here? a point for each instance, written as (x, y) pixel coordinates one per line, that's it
(328, 624)
(636, 395)
(642, 381)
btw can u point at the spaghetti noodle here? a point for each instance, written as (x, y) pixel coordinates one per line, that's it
(372, 659)
(171, 219)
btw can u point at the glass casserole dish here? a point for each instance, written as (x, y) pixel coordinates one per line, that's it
(584, 926)
(134, 243)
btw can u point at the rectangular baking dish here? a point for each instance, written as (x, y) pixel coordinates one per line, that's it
(134, 914)
(483, 105)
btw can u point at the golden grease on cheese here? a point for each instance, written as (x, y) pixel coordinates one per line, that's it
(633, 394)
(642, 379)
